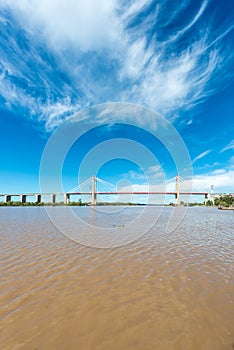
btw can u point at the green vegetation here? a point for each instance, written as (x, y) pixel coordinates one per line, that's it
(19, 204)
(41, 204)
(118, 203)
(190, 204)
(222, 201)
(209, 203)
(195, 204)
(226, 201)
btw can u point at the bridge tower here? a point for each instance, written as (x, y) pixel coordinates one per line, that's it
(212, 192)
(177, 189)
(94, 195)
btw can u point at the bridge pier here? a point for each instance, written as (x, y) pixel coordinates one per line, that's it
(38, 198)
(177, 189)
(66, 198)
(207, 197)
(177, 199)
(23, 198)
(53, 198)
(7, 198)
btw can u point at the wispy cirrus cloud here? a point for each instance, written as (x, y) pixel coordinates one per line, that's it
(201, 155)
(229, 146)
(59, 57)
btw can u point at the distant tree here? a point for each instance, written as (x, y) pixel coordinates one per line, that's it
(209, 203)
(224, 200)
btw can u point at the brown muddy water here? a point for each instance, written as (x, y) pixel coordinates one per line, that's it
(166, 290)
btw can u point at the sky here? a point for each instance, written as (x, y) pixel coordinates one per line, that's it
(60, 58)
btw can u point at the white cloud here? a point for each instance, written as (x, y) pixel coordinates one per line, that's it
(54, 114)
(155, 169)
(133, 175)
(190, 122)
(134, 8)
(193, 21)
(101, 51)
(85, 25)
(228, 147)
(152, 175)
(221, 179)
(201, 155)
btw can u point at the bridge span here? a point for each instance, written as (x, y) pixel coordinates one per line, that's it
(93, 192)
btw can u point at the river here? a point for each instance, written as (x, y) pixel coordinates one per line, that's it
(163, 290)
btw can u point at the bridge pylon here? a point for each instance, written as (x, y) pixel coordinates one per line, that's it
(94, 194)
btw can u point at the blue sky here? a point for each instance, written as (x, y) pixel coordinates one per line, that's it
(61, 57)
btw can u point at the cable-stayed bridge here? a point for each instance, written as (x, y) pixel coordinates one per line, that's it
(95, 188)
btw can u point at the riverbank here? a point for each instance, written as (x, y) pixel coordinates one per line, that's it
(61, 204)
(226, 208)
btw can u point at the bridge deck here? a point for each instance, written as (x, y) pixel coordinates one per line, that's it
(100, 193)
(112, 193)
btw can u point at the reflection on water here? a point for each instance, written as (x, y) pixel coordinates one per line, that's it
(163, 291)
